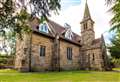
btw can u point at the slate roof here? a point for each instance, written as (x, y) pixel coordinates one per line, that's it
(61, 30)
(56, 28)
(98, 40)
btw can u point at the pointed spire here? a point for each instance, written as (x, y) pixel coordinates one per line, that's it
(86, 12)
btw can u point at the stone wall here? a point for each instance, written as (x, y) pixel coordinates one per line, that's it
(22, 53)
(41, 63)
(94, 59)
(66, 64)
(56, 55)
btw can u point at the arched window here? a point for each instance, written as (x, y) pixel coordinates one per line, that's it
(85, 26)
(43, 27)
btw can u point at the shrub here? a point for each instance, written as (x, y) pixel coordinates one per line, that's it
(116, 62)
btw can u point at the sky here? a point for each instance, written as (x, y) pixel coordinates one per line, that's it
(72, 13)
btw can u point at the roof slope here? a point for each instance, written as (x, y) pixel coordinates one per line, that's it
(97, 42)
(61, 30)
(56, 29)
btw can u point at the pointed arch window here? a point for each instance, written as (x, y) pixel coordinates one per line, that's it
(85, 26)
(43, 27)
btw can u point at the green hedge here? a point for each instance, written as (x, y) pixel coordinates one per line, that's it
(6, 61)
(116, 62)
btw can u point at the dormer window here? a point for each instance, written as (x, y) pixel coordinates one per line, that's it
(43, 27)
(69, 34)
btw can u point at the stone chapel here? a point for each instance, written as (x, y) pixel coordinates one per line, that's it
(52, 47)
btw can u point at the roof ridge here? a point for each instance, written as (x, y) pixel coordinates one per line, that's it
(55, 23)
(62, 26)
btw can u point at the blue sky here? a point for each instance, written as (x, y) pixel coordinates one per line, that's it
(67, 3)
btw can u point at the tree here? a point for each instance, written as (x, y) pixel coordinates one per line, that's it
(115, 23)
(115, 9)
(9, 19)
(17, 22)
(39, 8)
(115, 46)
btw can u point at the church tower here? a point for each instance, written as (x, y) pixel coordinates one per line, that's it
(87, 27)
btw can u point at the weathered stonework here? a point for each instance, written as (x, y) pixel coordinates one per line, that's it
(66, 64)
(22, 53)
(39, 63)
(88, 53)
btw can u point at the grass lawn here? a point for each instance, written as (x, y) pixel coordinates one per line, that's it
(116, 69)
(65, 76)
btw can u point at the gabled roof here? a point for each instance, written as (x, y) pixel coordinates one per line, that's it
(98, 40)
(61, 31)
(55, 29)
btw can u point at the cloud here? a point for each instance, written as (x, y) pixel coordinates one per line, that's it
(74, 14)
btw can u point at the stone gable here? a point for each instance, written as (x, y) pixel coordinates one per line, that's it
(66, 64)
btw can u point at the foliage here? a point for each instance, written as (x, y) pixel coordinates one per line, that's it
(9, 19)
(22, 23)
(15, 23)
(115, 9)
(116, 61)
(43, 7)
(6, 61)
(115, 23)
(8, 43)
(115, 46)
